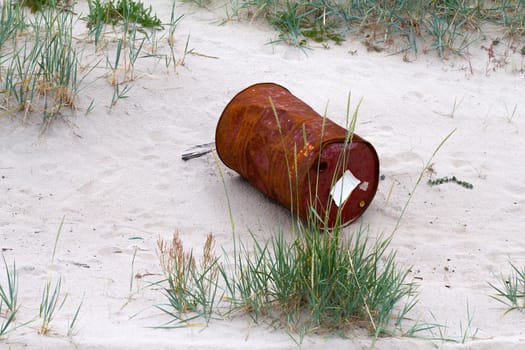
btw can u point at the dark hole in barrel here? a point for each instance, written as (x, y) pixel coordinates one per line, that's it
(323, 166)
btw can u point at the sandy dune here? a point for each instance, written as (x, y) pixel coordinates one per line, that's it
(118, 179)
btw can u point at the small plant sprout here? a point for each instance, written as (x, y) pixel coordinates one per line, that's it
(131, 279)
(8, 299)
(186, 52)
(114, 66)
(170, 59)
(440, 332)
(132, 270)
(9, 293)
(119, 94)
(57, 238)
(90, 107)
(466, 331)
(74, 320)
(455, 106)
(509, 116)
(50, 304)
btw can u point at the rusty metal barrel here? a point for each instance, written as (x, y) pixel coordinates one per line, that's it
(304, 161)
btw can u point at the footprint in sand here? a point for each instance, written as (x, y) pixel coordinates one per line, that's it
(157, 136)
(148, 157)
(29, 270)
(385, 130)
(163, 165)
(514, 189)
(48, 167)
(459, 160)
(413, 95)
(401, 162)
(109, 251)
(86, 188)
(162, 187)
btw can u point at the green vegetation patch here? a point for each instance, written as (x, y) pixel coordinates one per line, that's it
(443, 25)
(318, 280)
(40, 61)
(511, 289)
(121, 11)
(39, 5)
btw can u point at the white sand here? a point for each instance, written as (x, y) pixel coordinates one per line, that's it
(118, 175)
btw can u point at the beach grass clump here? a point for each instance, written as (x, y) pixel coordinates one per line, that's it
(134, 27)
(511, 289)
(445, 26)
(192, 288)
(297, 23)
(319, 281)
(41, 69)
(127, 15)
(43, 72)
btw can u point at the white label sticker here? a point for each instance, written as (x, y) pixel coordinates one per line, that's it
(344, 187)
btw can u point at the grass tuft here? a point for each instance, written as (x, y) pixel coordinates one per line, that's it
(74, 320)
(50, 303)
(320, 280)
(9, 294)
(511, 289)
(42, 73)
(8, 298)
(192, 288)
(40, 63)
(121, 11)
